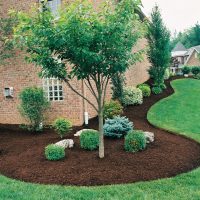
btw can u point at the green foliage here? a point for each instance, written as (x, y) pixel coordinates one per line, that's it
(195, 70)
(163, 86)
(159, 47)
(132, 96)
(167, 74)
(146, 90)
(189, 38)
(54, 152)
(118, 82)
(6, 34)
(117, 127)
(135, 141)
(62, 126)
(112, 109)
(32, 107)
(89, 140)
(156, 89)
(186, 70)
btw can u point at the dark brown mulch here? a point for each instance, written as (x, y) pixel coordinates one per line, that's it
(22, 156)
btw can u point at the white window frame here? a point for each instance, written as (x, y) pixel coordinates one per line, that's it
(54, 86)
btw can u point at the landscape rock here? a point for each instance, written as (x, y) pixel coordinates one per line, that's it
(78, 133)
(149, 136)
(68, 143)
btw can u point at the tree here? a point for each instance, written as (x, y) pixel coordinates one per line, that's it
(189, 38)
(6, 33)
(90, 45)
(159, 48)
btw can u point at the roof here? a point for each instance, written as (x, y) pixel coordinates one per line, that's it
(179, 47)
(197, 48)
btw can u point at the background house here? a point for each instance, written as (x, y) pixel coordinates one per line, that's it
(17, 74)
(184, 57)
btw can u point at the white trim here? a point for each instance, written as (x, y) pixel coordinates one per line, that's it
(190, 55)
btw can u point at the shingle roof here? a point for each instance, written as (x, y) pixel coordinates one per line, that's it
(179, 47)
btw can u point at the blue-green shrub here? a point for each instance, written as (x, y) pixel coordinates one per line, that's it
(156, 90)
(117, 127)
(54, 152)
(135, 141)
(89, 140)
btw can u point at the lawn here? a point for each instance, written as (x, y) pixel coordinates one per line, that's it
(184, 187)
(180, 112)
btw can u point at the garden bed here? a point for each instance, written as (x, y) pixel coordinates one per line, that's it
(22, 155)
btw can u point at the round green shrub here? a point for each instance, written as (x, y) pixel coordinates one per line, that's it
(62, 126)
(112, 109)
(89, 140)
(163, 86)
(135, 141)
(54, 152)
(186, 70)
(146, 90)
(195, 70)
(132, 96)
(117, 127)
(156, 90)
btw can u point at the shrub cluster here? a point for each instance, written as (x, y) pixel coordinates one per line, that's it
(132, 96)
(195, 71)
(145, 88)
(117, 127)
(32, 107)
(54, 152)
(89, 140)
(135, 141)
(186, 70)
(112, 109)
(62, 126)
(156, 90)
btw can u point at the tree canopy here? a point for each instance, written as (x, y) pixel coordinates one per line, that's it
(89, 44)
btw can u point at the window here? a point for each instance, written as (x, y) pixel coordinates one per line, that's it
(53, 89)
(54, 5)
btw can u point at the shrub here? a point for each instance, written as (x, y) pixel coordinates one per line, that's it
(54, 152)
(156, 90)
(167, 74)
(32, 107)
(62, 126)
(135, 141)
(163, 86)
(112, 109)
(89, 140)
(132, 96)
(117, 87)
(146, 90)
(186, 70)
(195, 70)
(117, 127)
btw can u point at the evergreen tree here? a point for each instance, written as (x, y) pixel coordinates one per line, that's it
(159, 56)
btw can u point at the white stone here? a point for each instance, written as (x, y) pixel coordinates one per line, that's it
(78, 133)
(149, 136)
(68, 143)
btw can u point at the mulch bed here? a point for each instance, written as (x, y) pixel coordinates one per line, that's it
(22, 155)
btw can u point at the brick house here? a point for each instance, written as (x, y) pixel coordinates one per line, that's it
(17, 74)
(184, 57)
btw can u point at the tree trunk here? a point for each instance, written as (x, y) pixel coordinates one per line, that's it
(101, 134)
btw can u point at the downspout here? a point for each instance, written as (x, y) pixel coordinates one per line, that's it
(85, 107)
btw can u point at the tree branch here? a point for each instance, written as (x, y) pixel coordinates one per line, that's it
(74, 90)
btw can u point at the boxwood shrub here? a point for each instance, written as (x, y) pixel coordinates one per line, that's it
(156, 90)
(146, 90)
(54, 152)
(117, 127)
(89, 140)
(135, 141)
(112, 109)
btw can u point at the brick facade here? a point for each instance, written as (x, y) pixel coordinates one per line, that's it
(18, 74)
(193, 60)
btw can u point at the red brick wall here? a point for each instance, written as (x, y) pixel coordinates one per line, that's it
(18, 74)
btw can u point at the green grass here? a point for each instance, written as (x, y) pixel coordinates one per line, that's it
(184, 187)
(180, 112)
